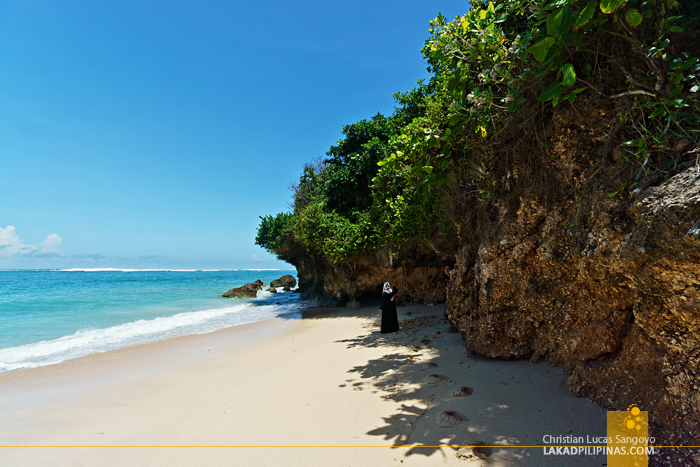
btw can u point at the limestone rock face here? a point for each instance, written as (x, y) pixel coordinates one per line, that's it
(284, 281)
(616, 303)
(415, 268)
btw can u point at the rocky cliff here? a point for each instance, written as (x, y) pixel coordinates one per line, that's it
(615, 304)
(603, 284)
(415, 268)
(560, 265)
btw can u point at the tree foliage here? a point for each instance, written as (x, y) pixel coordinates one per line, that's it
(384, 182)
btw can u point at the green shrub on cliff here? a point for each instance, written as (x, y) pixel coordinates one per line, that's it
(494, 69)
(272, 230)
(632, 53)
(339, 210)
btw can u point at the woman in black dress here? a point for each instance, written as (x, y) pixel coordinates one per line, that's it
(390, 320)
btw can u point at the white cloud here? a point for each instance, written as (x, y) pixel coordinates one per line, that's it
(52, 244)
(11, 245)
(255, 258)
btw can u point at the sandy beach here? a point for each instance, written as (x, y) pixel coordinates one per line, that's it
(326, 390)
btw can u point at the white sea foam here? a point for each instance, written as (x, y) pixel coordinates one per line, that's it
(146, 270)
(276, 269)
(90, 341)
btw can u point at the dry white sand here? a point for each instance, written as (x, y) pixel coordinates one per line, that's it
(328, 390)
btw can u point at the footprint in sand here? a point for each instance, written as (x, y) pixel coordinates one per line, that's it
(433, 379)
(464, 391)
(448, 419)
(480, 450)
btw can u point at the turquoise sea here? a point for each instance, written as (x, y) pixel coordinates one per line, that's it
(48, 316)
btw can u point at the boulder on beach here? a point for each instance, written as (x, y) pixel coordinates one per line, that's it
(284, 281)
(246, 291)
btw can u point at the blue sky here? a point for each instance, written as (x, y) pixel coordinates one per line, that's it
(153, 134)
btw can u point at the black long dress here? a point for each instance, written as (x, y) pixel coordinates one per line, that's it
(390, 319)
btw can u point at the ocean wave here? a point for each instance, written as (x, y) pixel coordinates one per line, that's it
(151, 270)
(90, 341)
(262, 269)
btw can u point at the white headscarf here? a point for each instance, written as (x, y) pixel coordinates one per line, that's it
(387, 288)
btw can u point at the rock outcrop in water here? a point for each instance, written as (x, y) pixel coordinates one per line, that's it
(285, 281)
(246, 291)
(251, 290)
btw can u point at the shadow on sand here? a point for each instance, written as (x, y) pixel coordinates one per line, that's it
(446, 396)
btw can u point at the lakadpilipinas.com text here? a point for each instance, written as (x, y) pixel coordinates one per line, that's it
(598, 445)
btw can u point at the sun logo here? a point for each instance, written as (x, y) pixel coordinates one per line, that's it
(632, 420)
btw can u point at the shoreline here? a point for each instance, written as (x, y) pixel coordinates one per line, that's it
(50, 319)
(328, 380)
(159, 349)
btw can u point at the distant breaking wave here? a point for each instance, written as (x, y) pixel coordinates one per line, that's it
(127, 270)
